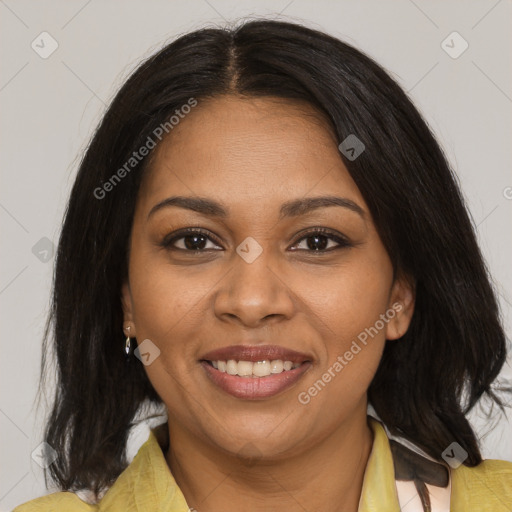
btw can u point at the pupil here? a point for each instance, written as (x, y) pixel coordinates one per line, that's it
(193, 246)
(316, 238)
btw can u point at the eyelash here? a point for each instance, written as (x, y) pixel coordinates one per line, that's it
(170, 239)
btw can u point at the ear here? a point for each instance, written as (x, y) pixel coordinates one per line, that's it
(401, 301)
(126, 301)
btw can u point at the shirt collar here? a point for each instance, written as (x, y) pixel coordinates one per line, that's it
(147, 483)
(379, 489)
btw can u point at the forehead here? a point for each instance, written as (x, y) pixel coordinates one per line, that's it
(242, 149)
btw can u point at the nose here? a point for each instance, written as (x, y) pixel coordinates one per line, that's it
(254, 293)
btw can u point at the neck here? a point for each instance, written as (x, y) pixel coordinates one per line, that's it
(328, 476)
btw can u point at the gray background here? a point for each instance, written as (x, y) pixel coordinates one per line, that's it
(50, 107)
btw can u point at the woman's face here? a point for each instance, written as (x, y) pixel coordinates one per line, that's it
(258, 274)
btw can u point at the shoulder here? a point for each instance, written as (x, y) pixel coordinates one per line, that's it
(487, 486)
(145, 484)
(57, 501)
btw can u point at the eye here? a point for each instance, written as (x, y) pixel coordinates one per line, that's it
(317, 241)
(190, 239)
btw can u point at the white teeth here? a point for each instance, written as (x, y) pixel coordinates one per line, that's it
(276, 366)
(232, 367)
(261, 368)
(244, 368)
(256, 369)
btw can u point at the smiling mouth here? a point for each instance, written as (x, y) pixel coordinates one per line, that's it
(255, 370)
(257, 380)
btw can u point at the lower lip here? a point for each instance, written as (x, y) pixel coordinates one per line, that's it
(250, 388)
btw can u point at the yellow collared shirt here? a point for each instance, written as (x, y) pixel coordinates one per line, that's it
(147, 485)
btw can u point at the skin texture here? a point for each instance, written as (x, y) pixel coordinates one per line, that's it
(252, 155)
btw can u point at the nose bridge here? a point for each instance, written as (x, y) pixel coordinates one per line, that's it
(252, 277)
(252, 289)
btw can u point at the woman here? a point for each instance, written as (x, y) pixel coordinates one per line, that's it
(267, 228)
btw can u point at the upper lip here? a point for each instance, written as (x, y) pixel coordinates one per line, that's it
(256, 353)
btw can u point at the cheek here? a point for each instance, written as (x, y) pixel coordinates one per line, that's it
(165, 311)
(166, 307)
(351, 306)
(352, 298)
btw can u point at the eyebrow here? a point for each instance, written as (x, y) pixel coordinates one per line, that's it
(292, 208)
